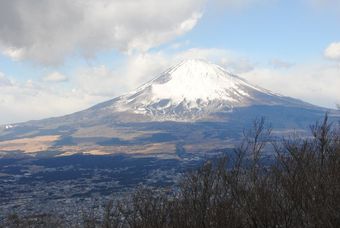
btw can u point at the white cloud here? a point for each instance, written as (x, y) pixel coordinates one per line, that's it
(98, 81)
(46, 31)
(107, 82)
(87, 86)
(14, 53)
(312, 82)
(31, 100)
(55, 77)
(333, 51)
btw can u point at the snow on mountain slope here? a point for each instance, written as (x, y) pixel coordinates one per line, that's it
(193, 80)
(193, 89)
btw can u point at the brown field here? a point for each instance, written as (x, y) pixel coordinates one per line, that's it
(29, 145)
(44, 143)
(154, 148)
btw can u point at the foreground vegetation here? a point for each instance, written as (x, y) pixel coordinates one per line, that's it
(299, 187)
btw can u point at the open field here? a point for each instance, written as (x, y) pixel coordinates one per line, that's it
(29, 145)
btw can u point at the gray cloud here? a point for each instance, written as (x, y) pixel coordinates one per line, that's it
(45, 31)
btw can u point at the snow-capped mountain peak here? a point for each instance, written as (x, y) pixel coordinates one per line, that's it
(196, 80)
(190, 90)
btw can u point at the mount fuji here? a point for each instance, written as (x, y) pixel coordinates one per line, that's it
(192, 90)
(195, 106)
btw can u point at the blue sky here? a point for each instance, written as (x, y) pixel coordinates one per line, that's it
(60, 57)
(289, 30)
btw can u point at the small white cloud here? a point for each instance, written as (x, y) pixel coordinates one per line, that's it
(55, 77)
(333, 51)
(188, 24)
(14, 53)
